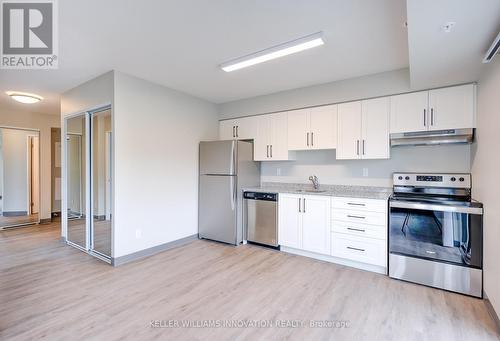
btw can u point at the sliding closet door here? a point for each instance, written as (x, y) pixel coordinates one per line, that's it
(102, 210)
(76, 132)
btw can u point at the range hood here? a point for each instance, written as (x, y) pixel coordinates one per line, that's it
(422, 138)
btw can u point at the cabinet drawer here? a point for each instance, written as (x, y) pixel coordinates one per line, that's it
(360, 230)
(360, 249)
(363, 217)
(371, 205)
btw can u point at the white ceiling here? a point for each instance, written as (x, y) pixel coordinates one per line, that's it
(180, 44)
(438, 58)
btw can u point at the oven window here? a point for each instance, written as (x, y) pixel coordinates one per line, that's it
(434, 235)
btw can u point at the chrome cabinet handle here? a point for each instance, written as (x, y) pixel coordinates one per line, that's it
(355, 204)
(304, 206)
(353, 229)
(355, 216)
(234, 135)
(271, 153)
(312, 139)
(425, 120)
(363, 147)
(299, 204)
(357, 147)
(237, 134)
(307, 139)
(432, 116)
(267, 150)
(356, 249)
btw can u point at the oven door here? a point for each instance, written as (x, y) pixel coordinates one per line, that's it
(446, 233)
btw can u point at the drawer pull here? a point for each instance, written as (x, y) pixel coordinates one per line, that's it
(355, 204)
(355, 216)
(353, 229)
(355, 248)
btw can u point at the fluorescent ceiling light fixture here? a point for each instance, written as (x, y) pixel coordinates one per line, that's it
(274, 52)
(24, 97)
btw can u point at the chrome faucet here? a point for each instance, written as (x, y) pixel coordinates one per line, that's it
(315, 181)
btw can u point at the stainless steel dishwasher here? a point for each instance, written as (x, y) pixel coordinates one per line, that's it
(261, 217)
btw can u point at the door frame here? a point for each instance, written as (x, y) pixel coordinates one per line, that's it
(30, 178)
(38, 132)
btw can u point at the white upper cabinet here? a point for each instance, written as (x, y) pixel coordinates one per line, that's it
(452, 108)
(313, 128)
(238, 129)
(271, 142)
(438, 109)
(363, 129)
(409, 112)
(349, 130)
(375, 128)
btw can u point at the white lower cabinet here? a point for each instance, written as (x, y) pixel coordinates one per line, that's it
(360, 249)
(304, 222)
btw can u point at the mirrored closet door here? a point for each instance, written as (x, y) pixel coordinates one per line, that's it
(89, 182)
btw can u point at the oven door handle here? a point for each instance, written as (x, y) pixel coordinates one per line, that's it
(435, 207)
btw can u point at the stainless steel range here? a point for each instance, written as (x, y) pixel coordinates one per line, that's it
(436, 232)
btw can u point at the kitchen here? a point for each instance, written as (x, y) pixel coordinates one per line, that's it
(258, 170)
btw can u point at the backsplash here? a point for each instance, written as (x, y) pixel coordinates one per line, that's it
(445, 158)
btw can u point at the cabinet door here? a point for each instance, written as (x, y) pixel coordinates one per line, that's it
(289, 221)
(226, 130)
(375, 128)
(409, 112)
(246, 128)
(261, 142)
(452, 108)
(323, 127)
(298, 129)
(349, 131)
(316, 224)
(278, 136)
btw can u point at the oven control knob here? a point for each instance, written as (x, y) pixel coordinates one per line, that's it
(453, 179)
(400, 177)
(407, 178)
(462, 179)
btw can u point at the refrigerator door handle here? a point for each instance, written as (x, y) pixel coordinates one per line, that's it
(232, 189)
(233, 161)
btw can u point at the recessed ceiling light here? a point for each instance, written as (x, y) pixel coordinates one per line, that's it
(274, 52)
(24, 97)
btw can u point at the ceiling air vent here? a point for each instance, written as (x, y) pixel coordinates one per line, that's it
(493, 50)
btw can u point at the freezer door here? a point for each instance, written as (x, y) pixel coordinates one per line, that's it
(217, 216)
(218, 157)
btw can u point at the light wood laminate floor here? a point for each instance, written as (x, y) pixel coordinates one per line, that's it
(52, 291)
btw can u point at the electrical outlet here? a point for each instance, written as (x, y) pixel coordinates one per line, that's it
(365, 172)
(138, 233)
(278, 171)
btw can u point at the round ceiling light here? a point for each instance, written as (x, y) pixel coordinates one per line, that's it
(24, 97)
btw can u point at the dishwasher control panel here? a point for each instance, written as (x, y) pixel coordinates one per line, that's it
(261, 196)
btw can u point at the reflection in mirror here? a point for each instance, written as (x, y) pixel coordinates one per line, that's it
(19, 177)
(101, 182)
(75, 170)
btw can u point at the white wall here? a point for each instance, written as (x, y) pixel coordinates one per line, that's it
(43, 123)
(485, 170)
(157, 132)
(454, 158)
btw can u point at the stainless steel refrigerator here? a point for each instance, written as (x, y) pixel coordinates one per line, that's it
(226, 167)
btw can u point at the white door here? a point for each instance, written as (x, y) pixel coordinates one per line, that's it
(109, 172)
(298, 129)
(323, 127)
(349, 130)
(261, 142)
(375, 128)
(227, 130)
(409, 112)
(452, 108)
(278, 137)
(290, 220)
(316, 224)
(246, 128)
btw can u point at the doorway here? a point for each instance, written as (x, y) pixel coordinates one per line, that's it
(19, 177)
(88, 202)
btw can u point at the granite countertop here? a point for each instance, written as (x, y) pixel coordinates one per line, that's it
(365, 192)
